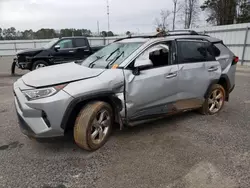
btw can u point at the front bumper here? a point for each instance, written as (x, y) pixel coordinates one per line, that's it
(40, 118)
(22, 64)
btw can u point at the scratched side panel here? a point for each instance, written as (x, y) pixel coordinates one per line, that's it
(150, 90)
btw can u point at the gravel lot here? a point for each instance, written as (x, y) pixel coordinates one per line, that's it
(184, 151)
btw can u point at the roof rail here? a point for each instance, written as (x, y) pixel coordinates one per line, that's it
(153, 35)
(163, 34)
(182, 32)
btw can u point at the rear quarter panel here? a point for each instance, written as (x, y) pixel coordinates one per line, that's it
(226, 58)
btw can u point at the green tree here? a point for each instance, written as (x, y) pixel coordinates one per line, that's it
(104, 33)
(221, 12)
(28, 34)
(1, 36)
(110, 34)
(45, 34)
(9, 33)
(66, 32)
(243, 11)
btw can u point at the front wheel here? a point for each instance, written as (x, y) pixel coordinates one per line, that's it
(39, 64)
(93, 125)
(13, 67)
(214, 101)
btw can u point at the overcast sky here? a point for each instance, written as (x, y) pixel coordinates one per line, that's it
(133, 15)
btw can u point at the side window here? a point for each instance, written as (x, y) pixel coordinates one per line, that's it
(215, 50)
(80, 42)
(191, 51)
(159, 55)
(66, 43)
(195, 51)
(210, 52)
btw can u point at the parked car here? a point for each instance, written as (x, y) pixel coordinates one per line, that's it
(125, 83)
(57, 51)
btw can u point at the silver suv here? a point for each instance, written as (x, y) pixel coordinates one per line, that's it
(127, 82)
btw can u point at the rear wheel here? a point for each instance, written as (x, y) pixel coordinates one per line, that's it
(214, 101)
(39, 64)
(93, 125)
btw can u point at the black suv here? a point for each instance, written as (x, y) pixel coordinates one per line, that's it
(63, 50)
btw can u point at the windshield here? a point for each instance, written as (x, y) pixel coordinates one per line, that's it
(114, 53)
(50, 44)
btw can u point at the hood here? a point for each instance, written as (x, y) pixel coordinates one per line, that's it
(58, 74)
(30, 52)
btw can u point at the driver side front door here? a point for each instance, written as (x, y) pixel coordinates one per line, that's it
(66, 53)
(152, 92)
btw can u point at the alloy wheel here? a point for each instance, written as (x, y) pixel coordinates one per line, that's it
(215, 100)
(40, 66)
(100, 126)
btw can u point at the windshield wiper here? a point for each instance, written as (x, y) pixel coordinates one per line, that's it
(112, 53)
(114, 60)
(97, 58)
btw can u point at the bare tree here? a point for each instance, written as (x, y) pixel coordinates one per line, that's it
(190, 10)
(162, 22)
(177, 8)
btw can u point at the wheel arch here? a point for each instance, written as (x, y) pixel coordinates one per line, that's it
(34, 59)
(224, 82)
(77, 104)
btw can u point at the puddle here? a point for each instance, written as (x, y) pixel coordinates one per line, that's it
(11, 145)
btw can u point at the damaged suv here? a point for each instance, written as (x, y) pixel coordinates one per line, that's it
(127, 82)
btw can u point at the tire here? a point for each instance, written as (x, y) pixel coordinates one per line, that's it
(39, 64)
(86, 132)
(214, 92)
(13, 67)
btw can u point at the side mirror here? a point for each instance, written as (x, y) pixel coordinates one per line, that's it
(57, 47)
(141, 64)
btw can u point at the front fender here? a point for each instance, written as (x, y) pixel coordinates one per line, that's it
(109, 97)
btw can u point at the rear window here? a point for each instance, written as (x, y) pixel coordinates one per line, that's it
(215, 50)
(80, 42)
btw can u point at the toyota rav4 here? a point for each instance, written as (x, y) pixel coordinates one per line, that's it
(127, 82)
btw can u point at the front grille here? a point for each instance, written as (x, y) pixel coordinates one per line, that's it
(21, 59)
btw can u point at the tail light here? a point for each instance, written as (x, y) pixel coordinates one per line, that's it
(235, 60)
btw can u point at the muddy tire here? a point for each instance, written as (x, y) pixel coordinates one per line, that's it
(93, 125)
(214, 101)
(39, 64)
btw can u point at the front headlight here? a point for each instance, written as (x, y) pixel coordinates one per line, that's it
(42, 93)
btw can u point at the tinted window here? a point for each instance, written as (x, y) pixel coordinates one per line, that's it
(210, 51)
(66, 43)
(215, 50)
(80, 42)
(194, 51)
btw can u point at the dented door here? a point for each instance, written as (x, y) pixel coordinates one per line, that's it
(150, 92)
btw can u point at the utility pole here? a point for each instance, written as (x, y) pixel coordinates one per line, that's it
(108, 16)
(98, 30)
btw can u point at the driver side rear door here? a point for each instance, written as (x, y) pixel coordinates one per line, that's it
(152, 92)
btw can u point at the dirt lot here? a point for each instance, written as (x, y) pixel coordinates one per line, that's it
(184, 151)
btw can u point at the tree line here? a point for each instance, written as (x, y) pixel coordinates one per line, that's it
(46, 33)
(218, 12)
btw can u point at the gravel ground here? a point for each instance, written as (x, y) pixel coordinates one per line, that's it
(184, 151)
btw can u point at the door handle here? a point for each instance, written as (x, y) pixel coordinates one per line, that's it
(212, 69)
(71, 51)
(171, 75)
